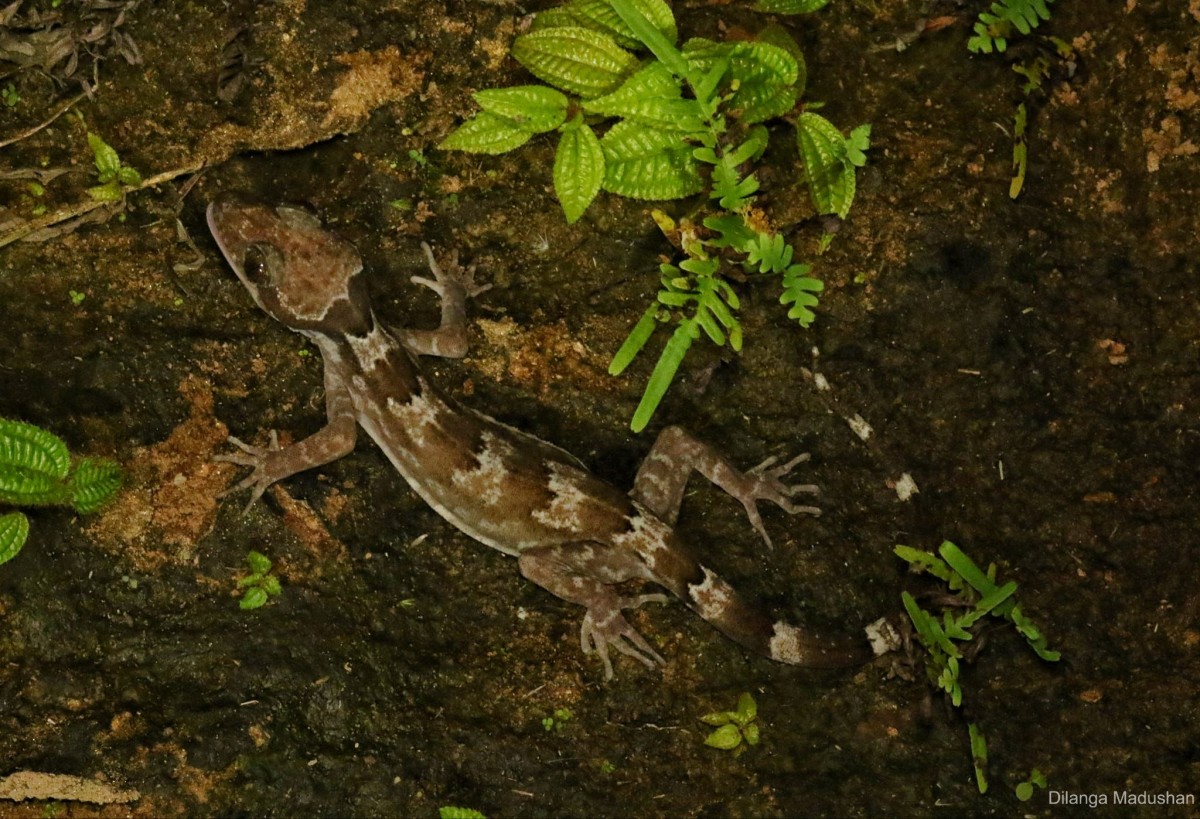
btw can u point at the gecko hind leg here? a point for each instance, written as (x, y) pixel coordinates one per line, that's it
(664, 473)
(585, 573)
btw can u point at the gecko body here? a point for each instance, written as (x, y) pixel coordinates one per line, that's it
(572, 533)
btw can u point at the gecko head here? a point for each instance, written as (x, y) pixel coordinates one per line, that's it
(296, 270)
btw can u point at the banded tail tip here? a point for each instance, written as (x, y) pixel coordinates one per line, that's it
(883, 636)
(796, 646)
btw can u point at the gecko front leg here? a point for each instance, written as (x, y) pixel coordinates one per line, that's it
(664, 473)
(585, 573)
(331, 442)
(455, 284)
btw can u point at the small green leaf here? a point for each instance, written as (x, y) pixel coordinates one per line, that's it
(578, 168)
(110, 191)
(664, 373)
(108, 163)
(717, 718)
(451, 812)
(996, 597)
(129, 177)
(979, 754)
(747, 709)
(751, 733)
(635, 341)
(486, 133)
(857, 144)
(1025, 791)
(791, 6)
(929, 562)
(1038, 778)
(576, 59)
(258, 562)
(966, 567)
(271, 585)
(827, 168)
(14, 530)
(254, 598)
(533, 108)
(726, 738)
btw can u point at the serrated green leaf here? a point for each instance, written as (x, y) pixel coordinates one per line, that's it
(108, 163)
(601, 16)
(576, 59)
(652, 96)
(553, 18)
(533, 108)
(726, 738)
(640, 17)
(778, 36)
(643, 162)
(271, 585)
(96, 482)
(578, 168)
(486, 133)
(14, 531)
(829, 175)
(791, 6)
(24, 487)
(34, 448)
(766, 76)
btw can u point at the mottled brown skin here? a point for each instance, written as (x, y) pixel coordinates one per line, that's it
(572, 533)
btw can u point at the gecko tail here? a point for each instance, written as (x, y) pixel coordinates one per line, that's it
(718, 603)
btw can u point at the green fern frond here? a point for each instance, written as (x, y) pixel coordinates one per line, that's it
(799, 290)
(995, 26)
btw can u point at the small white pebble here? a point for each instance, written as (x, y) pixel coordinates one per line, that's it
(860, 427)
(906, 487)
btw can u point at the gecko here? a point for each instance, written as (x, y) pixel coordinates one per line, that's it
(574, 534)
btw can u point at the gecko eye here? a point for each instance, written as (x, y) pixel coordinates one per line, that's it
(254, 262)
